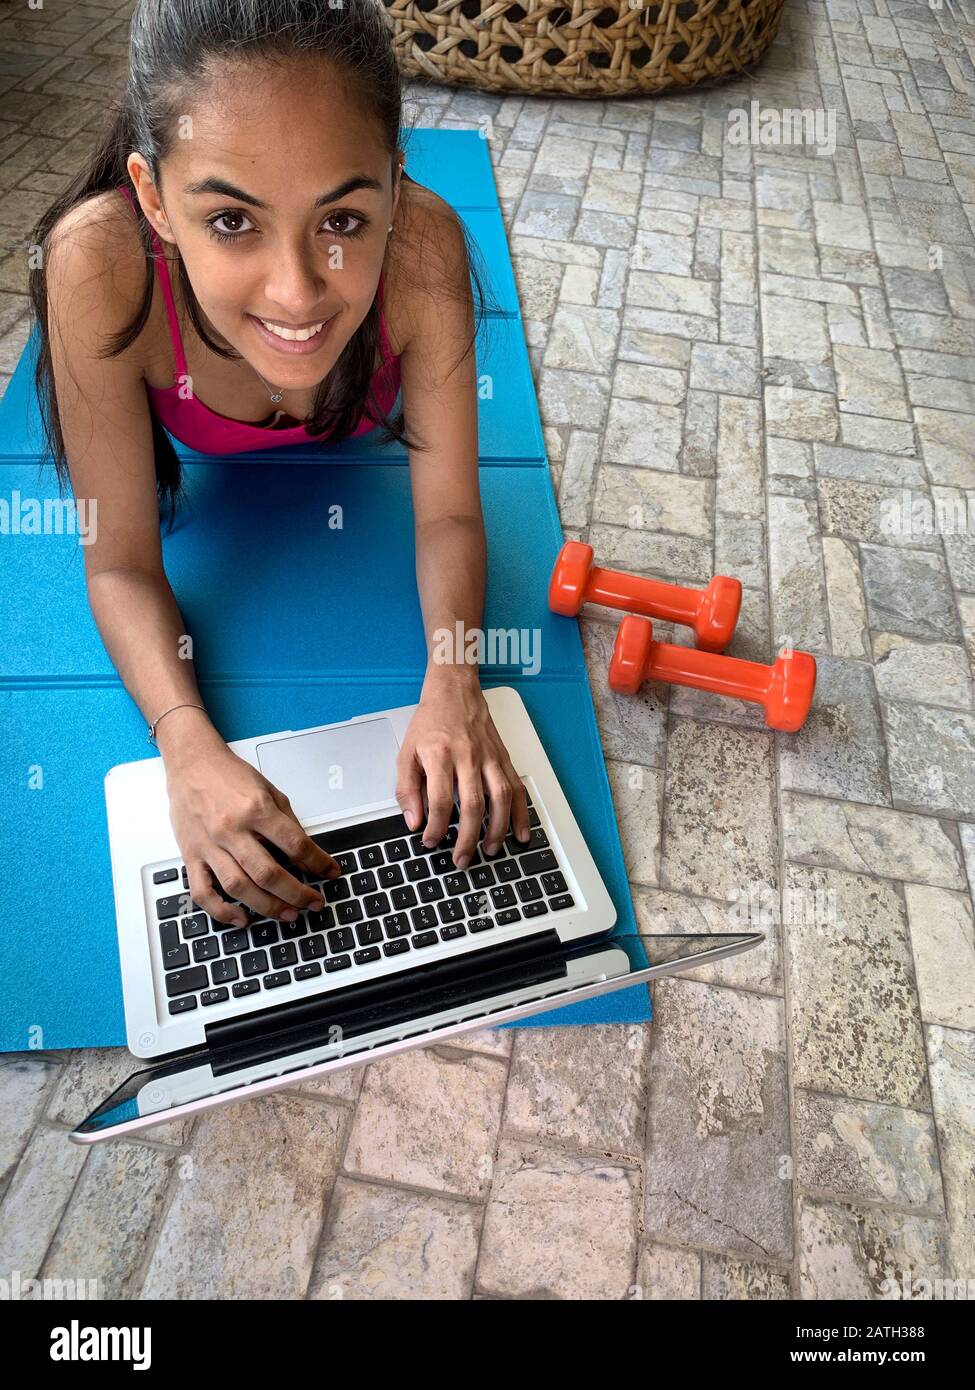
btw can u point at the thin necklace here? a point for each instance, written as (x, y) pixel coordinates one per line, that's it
(278, 396)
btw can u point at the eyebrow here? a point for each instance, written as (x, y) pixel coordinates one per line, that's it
(229, 190)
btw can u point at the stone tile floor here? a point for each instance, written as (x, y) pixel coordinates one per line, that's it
(750, 358)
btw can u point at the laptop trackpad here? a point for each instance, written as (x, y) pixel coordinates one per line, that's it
(333, 770)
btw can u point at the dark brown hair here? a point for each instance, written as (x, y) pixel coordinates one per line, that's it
(175, 46)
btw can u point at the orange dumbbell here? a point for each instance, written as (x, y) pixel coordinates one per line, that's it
(785, 690)
(711, 612)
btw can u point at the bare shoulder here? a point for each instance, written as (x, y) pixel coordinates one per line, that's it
(96, 265)
(427, 259)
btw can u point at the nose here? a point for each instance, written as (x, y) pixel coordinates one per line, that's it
(294, 281)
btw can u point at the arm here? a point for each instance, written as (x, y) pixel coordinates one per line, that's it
(93, 292)
(452, 730)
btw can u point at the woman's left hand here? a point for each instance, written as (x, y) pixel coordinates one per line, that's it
(452, 732)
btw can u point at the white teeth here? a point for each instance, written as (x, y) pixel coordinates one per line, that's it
(294, 335)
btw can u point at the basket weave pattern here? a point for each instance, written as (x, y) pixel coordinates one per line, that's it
(574, 49)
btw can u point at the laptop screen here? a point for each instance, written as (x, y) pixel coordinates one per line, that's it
(359, 1030)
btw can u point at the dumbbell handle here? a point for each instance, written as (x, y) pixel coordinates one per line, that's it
(649, 597)
(724, 675)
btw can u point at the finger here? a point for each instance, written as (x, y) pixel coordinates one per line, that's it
(237, 882)
(471, 793)
(205, 895)
(409, 789)
(499, 806)
(290, 836)
(262, 864)
(519, 803)
(440, 796)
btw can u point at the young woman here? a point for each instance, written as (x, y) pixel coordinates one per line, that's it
(245, 261)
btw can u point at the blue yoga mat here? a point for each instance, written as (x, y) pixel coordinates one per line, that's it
(294, 624)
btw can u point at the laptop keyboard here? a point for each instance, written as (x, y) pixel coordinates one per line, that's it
(395, 897)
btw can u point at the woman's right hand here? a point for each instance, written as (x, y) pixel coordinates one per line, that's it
(221, 809)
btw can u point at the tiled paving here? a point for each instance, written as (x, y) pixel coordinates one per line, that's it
(751, 358)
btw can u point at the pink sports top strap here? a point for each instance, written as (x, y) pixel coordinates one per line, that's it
(167, 289)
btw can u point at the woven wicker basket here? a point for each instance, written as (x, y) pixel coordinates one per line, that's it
(578, 50)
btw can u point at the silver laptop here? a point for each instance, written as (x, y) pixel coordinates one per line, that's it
(407, 950)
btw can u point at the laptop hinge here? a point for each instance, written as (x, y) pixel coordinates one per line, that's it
(328, 1009)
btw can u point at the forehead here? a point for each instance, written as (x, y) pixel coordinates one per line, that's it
(288, 126)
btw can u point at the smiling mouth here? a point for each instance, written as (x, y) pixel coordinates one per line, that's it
(292, 335)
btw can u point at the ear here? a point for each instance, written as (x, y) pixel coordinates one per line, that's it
(148, 196)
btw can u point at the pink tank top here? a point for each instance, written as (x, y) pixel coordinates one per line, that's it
(208, 432)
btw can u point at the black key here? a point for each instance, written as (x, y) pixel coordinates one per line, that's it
(538, 840)
(533, 817)
(291, 930)
(308, 972)
(246, 987)
(264, 934)
(254, 963)
(365, 956)
(427, 938)
(185, 876)
(363, 883)
(234, 941)
(506, 918)
(500, 853)
(165, 876)
(535, 863)
(482, 876)
(456, 883)
(177, 958)
(366, 832)
(390, 876)
(336, 890)
(333, 963)
(214, 996)
(206, 948)
(313, 948)
(528, 797)
(168, 936)
(503, 895)
(396, 850)
(224, 971)
(507, 870)
(348, 912)
(477, 904)
(442, 862)
(321, 921)
(423, 917)
(535, 909)
(172, 907)
(195, 925)
(182, 1006)
(557, 904)
(553, 883)
(283, 977)
(371, 858)
(430, 890)
(452, 932)
(480, 924)
(346, 862)
(182, 981)
(416, 869)
(341, 940)
(376, 905)
(451, 910)
(403, 897)
(368, 933)
(396, 925)
(395, 948)
(284, 955)
(529, 890)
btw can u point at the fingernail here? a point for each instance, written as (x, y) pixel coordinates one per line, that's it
(317, 905)
(335, 871)
(463, 861)
(411, 819)
(289, 915)
(239, 921)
